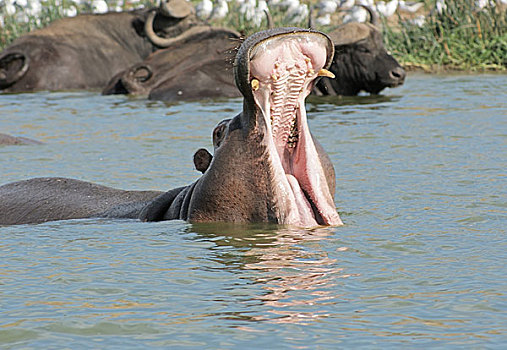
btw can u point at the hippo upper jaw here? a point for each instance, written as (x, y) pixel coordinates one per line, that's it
(282, 74)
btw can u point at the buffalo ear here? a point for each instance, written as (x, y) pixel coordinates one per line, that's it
(350, 33)
(13, 66)
(202, 159)
(176, 8)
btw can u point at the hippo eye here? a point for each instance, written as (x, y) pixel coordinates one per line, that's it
(218, 135)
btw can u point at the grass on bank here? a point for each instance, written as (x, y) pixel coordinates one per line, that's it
(460, 38)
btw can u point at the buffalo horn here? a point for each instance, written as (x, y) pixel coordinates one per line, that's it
(374, 18)
(7, 79)
(269, 20)
(165, 42)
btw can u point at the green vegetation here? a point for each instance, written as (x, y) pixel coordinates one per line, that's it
(14, 25)
(21, 22)
(459, 38)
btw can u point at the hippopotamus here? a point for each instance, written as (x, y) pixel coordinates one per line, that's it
(266, 165)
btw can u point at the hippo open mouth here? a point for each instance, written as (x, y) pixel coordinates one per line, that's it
(283, 70)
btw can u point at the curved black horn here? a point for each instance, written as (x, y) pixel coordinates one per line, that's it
(7, 78)
(192, 31)
(141, 73)
(374, 18)
(165, 42)
(269, 19)
(311, 25)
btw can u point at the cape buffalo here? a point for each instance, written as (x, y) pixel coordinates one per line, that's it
(198, 67)
(361, 62)
(85, 51)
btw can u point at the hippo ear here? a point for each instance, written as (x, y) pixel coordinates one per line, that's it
(350, 33)
(176, 8)
(13, 66)
(202, 160)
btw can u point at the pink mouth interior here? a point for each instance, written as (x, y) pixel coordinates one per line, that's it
(285, 68)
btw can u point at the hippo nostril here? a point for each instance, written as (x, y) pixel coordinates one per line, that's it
(398, 73)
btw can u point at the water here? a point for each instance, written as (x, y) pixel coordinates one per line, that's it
(420, 262)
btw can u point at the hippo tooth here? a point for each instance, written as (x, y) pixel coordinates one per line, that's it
(255, 84)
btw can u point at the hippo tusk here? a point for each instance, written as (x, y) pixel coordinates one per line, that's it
(7, 79)
(374, 18)
(325, 73)
(165, 42)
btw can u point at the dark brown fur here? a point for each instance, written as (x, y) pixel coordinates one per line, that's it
(199, 67)
(81, 52)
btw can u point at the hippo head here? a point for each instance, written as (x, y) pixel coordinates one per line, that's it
(266, 166)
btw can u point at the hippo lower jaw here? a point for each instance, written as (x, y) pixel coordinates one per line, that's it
(283, 72)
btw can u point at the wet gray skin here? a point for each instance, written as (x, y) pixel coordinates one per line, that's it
(266, 166)
(6, 140)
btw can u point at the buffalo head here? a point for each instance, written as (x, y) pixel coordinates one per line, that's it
(361, 62)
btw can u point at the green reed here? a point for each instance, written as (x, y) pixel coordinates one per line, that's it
(460, 38)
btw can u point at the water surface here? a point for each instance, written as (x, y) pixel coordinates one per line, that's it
(419, 263)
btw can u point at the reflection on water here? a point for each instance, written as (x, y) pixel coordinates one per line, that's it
(419, 262)
(315, 101)
(286, 268)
